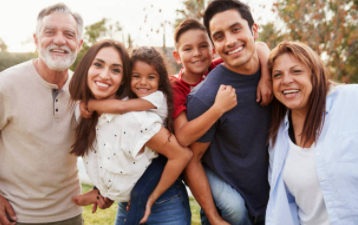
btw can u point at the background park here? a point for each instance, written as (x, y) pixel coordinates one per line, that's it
(330, 27)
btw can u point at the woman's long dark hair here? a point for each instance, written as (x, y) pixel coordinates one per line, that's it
(79, 90)
(317, 100)
(154, 58)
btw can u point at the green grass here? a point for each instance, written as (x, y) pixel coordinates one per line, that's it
(107, 216)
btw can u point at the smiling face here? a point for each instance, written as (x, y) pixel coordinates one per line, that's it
(105, 73)
(144, 80)
(195, 52)
(233, 39)
(292, 84)
(57, 41)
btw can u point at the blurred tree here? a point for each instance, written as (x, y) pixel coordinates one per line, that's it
(9, 59)
(95, 32)
(194, 9)
(330, 27)
(130, 42)
(3, 46)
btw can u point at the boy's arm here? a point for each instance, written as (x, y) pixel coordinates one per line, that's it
(188, 132)
(116, 106)
(264, 88)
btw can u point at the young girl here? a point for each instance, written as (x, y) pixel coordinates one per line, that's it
(117, 148)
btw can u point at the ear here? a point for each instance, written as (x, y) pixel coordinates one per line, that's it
(214, 53)
(79, 47)
(36, 40)
(177, 57)
(255, 31)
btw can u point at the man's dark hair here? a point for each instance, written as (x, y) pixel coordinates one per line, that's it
(218, 6)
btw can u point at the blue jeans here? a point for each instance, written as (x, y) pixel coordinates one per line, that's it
(171, 208)
(229, 203)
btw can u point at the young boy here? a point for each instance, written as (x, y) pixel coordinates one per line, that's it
(195, 52)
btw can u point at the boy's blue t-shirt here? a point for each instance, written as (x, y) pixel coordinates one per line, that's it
(238, 151)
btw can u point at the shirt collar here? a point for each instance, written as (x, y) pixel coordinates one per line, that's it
(106, 117)
(329, 99)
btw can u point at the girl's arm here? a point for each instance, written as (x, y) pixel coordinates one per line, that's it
(188, 132)
(178, 157)
(116, 106)
(264, 89)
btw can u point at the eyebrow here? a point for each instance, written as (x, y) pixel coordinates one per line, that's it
(233, 25)
(114, 64)
(71, 31)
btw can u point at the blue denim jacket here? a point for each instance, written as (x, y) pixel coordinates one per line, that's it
(336, 157)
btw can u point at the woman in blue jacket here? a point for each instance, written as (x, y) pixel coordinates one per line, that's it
(313, 142)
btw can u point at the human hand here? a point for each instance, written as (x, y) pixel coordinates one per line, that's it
(148, 208)
(128, 206)
(225, 98)
(103, 203)
(7, 214)
(85, 113)
(86, 199)
(264, 92)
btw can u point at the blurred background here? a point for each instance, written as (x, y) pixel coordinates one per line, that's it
(329, 26)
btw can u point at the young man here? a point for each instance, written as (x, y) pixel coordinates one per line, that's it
(38, 175)
(195, 52)
(228, 171)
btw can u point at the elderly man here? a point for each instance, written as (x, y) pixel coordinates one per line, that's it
(38, 175)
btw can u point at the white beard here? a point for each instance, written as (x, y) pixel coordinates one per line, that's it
(57, 63)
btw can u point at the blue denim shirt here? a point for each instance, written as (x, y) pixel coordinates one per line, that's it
(336, 157)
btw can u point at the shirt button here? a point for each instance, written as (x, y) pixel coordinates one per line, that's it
(329, 203)
(318, 153)
(56, 100)
(323, 178)
(56, 110)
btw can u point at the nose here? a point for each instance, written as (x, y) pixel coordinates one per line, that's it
(286, 79)
(104, 74)
(230, 40)
(59, 39)
(143, 81)
(197, 52)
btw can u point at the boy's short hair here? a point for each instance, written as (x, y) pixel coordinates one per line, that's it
(188, 24)
(218, 6)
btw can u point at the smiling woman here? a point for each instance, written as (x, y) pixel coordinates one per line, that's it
(313, 142)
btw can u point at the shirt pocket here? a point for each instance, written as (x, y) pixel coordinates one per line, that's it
(346, 147)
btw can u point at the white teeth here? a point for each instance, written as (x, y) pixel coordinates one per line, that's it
(198, 62)
(285, 92)
(102, 84)
(61, 51)
(236, 50)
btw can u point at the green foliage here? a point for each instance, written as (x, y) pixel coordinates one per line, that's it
(9, 59)
(107, 216)
(94, 33)
(329, 27)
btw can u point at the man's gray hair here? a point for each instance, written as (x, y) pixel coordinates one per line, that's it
(60, 8)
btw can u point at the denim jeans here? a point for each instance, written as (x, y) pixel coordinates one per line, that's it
(171, 208)
(229, 203)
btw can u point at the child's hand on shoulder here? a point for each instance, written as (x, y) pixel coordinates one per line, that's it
(225, 98)
(264, 91)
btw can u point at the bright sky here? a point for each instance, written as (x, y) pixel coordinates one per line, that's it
(18, 18)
